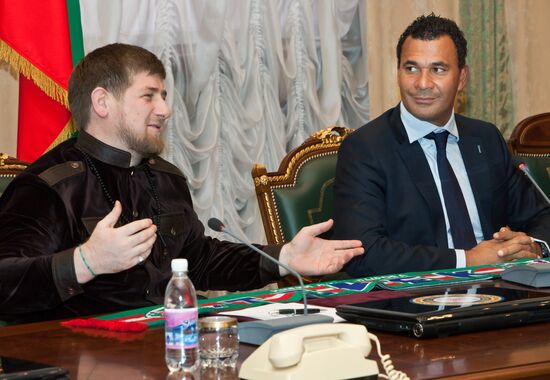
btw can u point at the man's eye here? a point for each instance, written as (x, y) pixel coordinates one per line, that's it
(438, 70)
(411, 69)
(149, 96)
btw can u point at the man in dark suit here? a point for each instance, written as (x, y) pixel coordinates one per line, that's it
(425, 188)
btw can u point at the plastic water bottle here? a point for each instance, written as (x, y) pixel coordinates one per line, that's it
(181, 316)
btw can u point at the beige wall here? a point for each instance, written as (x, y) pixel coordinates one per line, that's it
(528, 34)
(8, 109)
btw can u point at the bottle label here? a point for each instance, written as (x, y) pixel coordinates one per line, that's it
(181, 328)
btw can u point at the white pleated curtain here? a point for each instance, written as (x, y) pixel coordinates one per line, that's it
(247, 81)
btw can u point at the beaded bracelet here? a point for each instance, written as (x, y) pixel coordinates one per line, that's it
(84, 260)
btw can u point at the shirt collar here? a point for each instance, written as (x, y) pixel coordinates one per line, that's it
(417, 129)
(101, 151)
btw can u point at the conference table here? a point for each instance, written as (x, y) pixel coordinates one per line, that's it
(515, 352)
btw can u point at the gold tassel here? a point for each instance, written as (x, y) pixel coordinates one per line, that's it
(65, 133)
(44, 82)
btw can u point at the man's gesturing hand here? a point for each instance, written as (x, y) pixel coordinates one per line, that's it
(310, 255)
(112, 250)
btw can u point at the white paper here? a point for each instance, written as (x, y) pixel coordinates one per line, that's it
(271, 311)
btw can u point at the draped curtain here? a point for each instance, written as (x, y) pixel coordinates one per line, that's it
(489, 91)
(247, 82)
(528, 35)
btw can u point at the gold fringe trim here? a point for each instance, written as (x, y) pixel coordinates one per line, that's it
(65, 133)
(44, 82)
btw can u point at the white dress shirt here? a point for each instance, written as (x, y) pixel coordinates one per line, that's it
(416, 130)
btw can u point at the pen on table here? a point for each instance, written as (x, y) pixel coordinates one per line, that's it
(299, 311)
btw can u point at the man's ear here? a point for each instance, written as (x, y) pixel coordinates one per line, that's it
(463, 78)
(100, 102)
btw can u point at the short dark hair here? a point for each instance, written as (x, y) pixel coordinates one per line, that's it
(111, 67)
(431, 27)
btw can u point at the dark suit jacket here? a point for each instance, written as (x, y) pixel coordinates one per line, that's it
(386, 196)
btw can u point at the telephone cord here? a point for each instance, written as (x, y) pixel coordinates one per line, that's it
(391, 372)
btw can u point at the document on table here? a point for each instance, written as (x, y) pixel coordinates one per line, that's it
(273, 311)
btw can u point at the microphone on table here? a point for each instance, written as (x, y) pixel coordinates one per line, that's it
(257, 332)
(521, 166)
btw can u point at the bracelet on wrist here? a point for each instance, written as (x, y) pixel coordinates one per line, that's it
(84, 260)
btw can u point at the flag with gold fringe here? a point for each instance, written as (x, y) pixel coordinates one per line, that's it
(42, 41)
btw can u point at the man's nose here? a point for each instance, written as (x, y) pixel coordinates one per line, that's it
(424, 80)
(163, 109)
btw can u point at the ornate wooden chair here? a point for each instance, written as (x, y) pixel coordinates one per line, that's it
(530, 142)
(9, 168)
(299, 193)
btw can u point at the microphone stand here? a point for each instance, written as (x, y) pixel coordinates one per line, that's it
(523, 168)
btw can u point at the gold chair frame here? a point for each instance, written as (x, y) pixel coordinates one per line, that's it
(10, 167)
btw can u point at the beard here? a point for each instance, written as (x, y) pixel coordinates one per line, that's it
(145, 146)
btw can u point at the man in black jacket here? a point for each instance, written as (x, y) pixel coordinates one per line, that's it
(92, 226)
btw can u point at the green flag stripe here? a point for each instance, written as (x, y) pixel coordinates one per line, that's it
(75, 30)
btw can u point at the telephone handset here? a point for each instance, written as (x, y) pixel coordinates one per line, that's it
(287, 349)
(318, 351)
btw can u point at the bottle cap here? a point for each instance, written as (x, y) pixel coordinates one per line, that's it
(179, 265)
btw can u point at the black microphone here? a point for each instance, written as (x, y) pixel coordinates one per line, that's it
(216, 224)
(521, 166)
(256, 332)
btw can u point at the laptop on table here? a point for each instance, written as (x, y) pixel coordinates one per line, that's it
(450, 311)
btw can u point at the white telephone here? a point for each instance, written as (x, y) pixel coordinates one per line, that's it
(319, 351)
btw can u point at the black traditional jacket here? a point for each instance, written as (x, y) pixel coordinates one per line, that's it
(54, 206)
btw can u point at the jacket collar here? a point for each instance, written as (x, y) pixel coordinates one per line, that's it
(101, 151)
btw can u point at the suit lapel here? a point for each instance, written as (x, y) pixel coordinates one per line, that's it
(473, 155)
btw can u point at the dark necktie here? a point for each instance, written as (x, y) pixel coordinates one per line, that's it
(457, 212)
